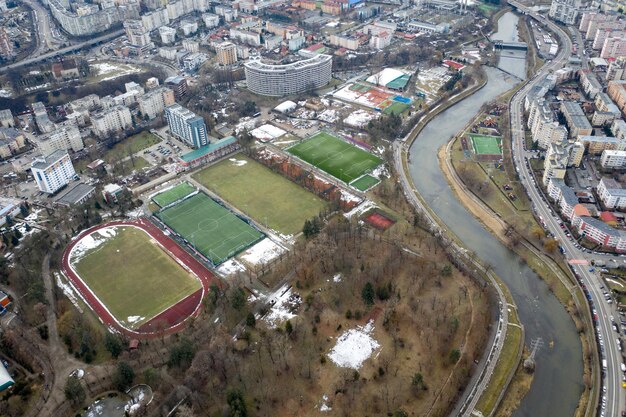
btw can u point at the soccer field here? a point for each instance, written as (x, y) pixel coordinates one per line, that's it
(262, 194)
(365, 182)
(173, 194)
(134, 278)
(211, 229)
(486, 145)
(334, 156)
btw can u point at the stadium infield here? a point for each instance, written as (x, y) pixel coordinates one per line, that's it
(486, 145)
(174, 194)
(209, 228)
(340, 159)
(267, 197)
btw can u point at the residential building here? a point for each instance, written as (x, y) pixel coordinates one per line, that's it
(618, 128)
(554, 167)
(154, 102)
(11, 141)
(226, 53)
(53, 171)
(88, 103)
(548, 133)
(64, 138)
(286, 79)
(577, 122)
(601, 233)
(186, 125)
(6, 45)
(115, 119)
(381, 40)
(191, 45)
(245, 36)
(91, 19)
(616, 90)
(342, 41)
(596, 144)
(611, 159)
(6, 118)
(564, 197)
(564, 11)
(616, 69)
(611, 193)
(189, 27)
(590, 84)
(606, 111)
(614, 47)
(211, 20)
(177, 84)
(168, 35)
(601, 36)
(155, 19)
(137, 34)
(192, 62)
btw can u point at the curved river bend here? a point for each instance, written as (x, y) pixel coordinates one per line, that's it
(557, 385)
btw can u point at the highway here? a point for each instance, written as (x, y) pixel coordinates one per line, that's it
(612, 399)
(48, 36)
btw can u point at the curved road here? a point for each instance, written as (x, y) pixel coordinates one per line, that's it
(612, 379)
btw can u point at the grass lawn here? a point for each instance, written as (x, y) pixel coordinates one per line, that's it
(130, 145)
(486, 145)
(134, 277)
(365, 182)
(396, 108)
(336, 157)
(261, 194)
(127, 166)
(210, 228)
(173, 194)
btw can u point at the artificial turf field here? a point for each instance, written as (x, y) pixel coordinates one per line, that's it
(486, 145)
(133, 276)
(173, 194)
(334, 156)
(211, 229)
(365, 182)
(261, 194)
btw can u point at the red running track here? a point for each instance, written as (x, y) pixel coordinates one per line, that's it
(169, 321)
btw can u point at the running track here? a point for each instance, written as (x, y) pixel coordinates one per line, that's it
(169, 321)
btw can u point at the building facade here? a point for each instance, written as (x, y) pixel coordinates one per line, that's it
(186, 125)
(113, 120)
(53, 171)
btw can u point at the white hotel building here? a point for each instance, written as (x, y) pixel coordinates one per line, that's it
(53, 172)
(286, 79)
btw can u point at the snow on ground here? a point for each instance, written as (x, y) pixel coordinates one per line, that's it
(285, 304)
(354, 347)
(337, 277)
(325, 407)
(133, 319)
(267, 132)
(328, 116)
(380, 172)
(262, 253)
(116, 70)
(347, 94)
(238, 162)
(68, 290)
(231, 267)
(90, 242)
(360, 209)
(360, 118)
(347, 197)
(285, 142)
(138, 212)
(33, 216)
(615, 282)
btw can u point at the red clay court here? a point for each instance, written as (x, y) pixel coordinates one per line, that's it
(379, 221)
(168, 321)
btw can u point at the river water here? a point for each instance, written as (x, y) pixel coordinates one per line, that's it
(557, 384)
(511, 61)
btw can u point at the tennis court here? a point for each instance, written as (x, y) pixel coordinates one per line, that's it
(210, 228)
(486, 145)
(176, 193)
(335, 156)
(365, 182)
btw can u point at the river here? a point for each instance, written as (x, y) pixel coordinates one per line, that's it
(557, 385)
(511, 61)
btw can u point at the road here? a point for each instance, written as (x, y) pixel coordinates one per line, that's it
(612, 378)
(48, 36)
(63, 51)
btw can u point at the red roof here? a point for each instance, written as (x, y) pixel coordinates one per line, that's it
(608, 217)
(453, 64)
(315, 47)
(581, 210)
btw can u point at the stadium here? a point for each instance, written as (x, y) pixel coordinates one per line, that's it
(135, 278)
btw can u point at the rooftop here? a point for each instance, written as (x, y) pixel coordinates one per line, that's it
(44, 162)
(76, 194)
(256, 64)
(207, 149)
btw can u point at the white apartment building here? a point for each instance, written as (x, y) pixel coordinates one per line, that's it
(113, 120)
(53, 171)
(614, 47)
(612, 159)
(63, 138)
(155, 19)
(381, 40)
(611, 193)
(154, 102)
(246, 36)
(168, 35)
(211, 20)
(294, 78)
(347, 42)
(564, 11)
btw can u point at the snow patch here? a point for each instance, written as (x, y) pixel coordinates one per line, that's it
(263, 252)
(231, 267)
(360, 118)
(360, 209)
(237, 162)
(91, 242)
(337, 277)
(267, 132)
(285, 304)
(325, 407)
(68, 291)
(354, 347)
(133, 319)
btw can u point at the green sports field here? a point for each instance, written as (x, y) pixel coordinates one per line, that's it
(211, 229)
(365, 182)
(173, 194)
(267, 197)
(486, 145)
(134, 278)
(336, 157)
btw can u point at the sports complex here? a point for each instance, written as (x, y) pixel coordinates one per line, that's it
(210, 229)
(486, 147)
(173, 194)
(336, 157)
(136, 279)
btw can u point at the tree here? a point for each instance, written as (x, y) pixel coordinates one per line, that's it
(550, 245)
(537, 232)
(238, 298)
(23, 210)
(14, 240)
(114, 344)
(367, 293)
(74, 390)
(250, 320)
(237, 405)
(181, 354)
(9, 220)
(455, 355)
(311, 228)
(288, 327)
(123, 376)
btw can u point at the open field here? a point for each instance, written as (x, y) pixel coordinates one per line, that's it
(365, 182)
(336, 157)
(130, 145)
(104, 71)
(261, 194)
(486, 145)
(133, 277)
(176, 193)
(209, 228)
